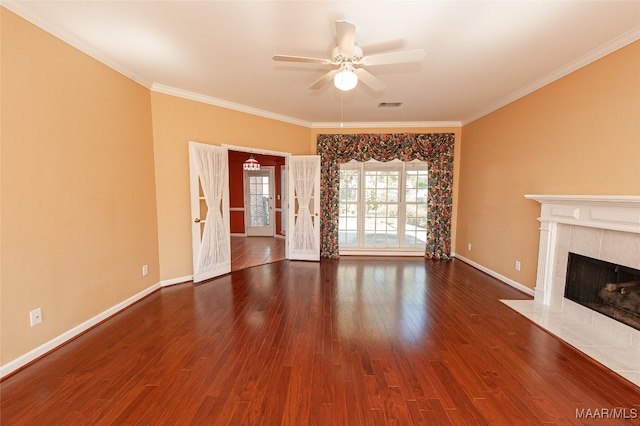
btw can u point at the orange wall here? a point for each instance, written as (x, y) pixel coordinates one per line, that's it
(78, 195)
(95, 175)
(578, 135)
(176, 121)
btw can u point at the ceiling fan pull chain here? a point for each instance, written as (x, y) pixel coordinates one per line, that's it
(341, 110)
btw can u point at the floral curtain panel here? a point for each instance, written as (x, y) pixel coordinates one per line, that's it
(434, 148)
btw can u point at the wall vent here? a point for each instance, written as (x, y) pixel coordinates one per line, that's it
(389, 104)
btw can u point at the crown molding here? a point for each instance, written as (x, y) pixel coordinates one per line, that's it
(21, 8)
(167, 90)
(386, 124)
(185, 94)
(602, 51)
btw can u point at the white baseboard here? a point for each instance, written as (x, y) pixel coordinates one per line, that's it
(179, 280)
(509, 281)
(23, 360)
(52, 344)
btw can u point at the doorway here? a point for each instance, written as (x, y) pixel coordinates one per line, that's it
(288, 177)
(256, 208)
(259, 194)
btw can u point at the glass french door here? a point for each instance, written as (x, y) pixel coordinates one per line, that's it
(259, 189)
(303, 231)
(210, 228)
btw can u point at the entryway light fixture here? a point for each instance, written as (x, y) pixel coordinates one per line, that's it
(346, 79)
(251, 164)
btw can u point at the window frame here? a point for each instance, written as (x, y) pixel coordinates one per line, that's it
(400, 246)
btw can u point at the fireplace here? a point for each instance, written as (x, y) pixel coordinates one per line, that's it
(600, 227)
(604, 227)
(605, 287)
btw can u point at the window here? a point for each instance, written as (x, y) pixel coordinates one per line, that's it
(259, 200)
(383, 205)
(348, 222)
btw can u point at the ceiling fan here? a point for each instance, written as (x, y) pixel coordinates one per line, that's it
(349, 60)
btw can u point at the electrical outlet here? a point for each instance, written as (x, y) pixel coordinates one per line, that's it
(145, 270)
(35, 316)
(517, 265)
(469, 246)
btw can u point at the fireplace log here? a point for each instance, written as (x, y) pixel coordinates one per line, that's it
(619, 286)
(611, 297)
(630, 302)
(629, 290)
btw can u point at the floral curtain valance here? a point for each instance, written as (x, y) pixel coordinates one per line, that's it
(434, 148)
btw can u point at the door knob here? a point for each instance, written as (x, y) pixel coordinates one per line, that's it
(196, 220)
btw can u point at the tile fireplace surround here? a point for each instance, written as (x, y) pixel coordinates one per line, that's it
(601, 227)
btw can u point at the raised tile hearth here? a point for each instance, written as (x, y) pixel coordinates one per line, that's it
(600, 227)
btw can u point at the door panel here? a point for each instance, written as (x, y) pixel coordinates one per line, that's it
(210, 231)
(304, 208)
(259, 189)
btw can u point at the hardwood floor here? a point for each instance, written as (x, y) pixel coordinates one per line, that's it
(247, 252)
(358, 341)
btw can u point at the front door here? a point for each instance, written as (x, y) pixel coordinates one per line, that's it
(259, 189)
(210, 230)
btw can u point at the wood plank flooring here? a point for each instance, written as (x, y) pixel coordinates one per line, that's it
(247, 252)
(357, 341)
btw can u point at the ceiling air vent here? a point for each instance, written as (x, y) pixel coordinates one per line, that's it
(389, 104)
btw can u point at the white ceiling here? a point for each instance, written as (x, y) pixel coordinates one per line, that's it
(480, 55)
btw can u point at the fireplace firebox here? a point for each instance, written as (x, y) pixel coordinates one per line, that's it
(608, 288)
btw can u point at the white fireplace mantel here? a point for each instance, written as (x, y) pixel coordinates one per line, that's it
(614, 212)
(607, 212)
(605, 227)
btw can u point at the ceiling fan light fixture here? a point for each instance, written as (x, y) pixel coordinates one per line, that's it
(346, 79)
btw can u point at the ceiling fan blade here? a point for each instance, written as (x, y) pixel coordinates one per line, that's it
(324, 79)
(394, 57)
(369, 79)
(346, 35)
(287, 58)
